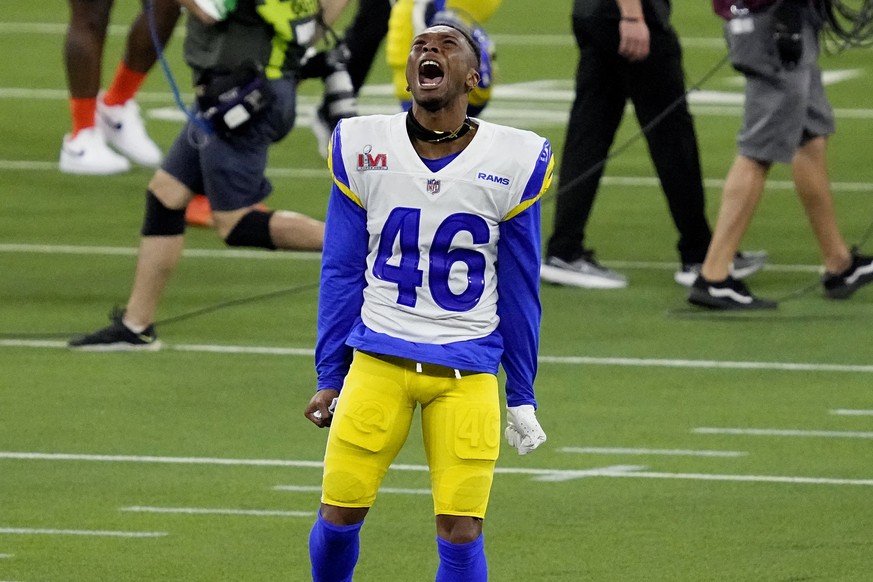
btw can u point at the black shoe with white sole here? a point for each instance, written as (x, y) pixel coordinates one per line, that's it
(745, 263)
(729, 294)
(843, 285)
(117, 337)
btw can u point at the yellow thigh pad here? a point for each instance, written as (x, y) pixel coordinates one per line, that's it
(461, 430)
(369, 427)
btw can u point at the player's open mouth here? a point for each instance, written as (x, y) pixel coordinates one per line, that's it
(430, 73)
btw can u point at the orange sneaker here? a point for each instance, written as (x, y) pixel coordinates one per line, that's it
(198, 212)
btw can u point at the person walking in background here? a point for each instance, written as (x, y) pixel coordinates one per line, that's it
(786, 119)
(413, 308)
(244, 107)
(629, 51)
(100, 120)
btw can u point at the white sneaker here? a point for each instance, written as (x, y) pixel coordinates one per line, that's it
(584, 272)
(123, 128)
(87, 153)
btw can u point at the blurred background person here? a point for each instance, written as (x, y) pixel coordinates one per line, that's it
(111, 118)
(628, 50)
(786, 119)
(244, 107)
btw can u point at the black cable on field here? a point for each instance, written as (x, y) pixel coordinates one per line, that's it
(235, 302)
(844, 26)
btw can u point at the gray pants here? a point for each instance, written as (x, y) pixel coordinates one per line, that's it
(784, 108)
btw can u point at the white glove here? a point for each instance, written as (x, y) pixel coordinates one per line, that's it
(330, 409)
(523, 431)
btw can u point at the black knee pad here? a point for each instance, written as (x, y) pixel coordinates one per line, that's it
(160, 220)
(253, 230)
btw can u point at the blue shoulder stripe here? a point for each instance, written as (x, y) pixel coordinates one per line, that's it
(542, 174)
(539, 182)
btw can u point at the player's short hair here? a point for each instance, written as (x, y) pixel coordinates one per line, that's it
(442, 19)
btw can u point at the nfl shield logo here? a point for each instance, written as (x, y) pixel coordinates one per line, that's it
(433, 186)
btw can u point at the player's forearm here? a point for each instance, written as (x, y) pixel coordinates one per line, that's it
(341, 287)
(518, 305)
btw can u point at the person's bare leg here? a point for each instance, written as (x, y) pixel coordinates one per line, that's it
(158, 255)
(290, 231)
(743, 188)
(295, 231)
(140, 54)
(458, 529)
(156, 261)
(83, 46)
(809, 168)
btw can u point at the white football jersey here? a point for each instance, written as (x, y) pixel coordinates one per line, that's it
(432, 248)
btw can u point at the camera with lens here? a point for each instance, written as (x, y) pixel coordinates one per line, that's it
(339, 95)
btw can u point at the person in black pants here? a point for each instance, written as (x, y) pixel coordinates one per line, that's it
(629, 50)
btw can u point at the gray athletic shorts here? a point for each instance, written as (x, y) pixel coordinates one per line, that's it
(230, 170)
(784, 108)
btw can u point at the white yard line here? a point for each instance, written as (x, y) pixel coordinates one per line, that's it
(132, 251)
(159, 460)
(559, 360)
(550, 475)
(744, 478)
(206, 511)
(851, 412)
(833, 434)
(27, 531)
(87, 250)
(661, 452)
(712, 364)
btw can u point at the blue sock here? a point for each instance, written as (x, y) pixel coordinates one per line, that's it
(462, 562)
(333, 550)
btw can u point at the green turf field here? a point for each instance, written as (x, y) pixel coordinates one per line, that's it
(682, 447)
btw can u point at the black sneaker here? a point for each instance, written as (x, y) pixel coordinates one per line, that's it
(856, 276)
(727, 294)
(117, 337)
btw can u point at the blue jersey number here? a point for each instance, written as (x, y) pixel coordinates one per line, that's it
(402, 226)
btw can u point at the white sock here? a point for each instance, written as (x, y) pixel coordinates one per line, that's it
(132, 327)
